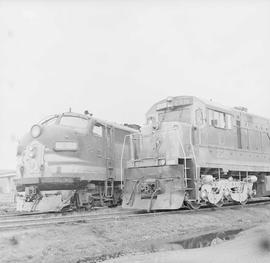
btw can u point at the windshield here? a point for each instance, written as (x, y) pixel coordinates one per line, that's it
(78, 123)
(182, 115)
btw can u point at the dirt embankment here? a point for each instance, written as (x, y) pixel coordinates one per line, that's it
(96, 241)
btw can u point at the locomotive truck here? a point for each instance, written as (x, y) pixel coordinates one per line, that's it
(70, 161)
(192, 152)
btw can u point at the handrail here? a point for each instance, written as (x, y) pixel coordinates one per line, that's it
(185, 158)
(193, 153)
(181, 144)
(122, 155)
(7, 175)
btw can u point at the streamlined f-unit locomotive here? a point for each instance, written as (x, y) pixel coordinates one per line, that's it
(193, 152)
(70, 160)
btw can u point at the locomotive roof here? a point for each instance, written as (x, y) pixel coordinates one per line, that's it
(215, 105)
(228, 109)
(208, 103)
(116, 125)
(192, 99)
(105, 122)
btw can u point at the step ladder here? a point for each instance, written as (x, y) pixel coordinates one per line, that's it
(189, 175)
(190, 169)
(109, 162)
(187, 163)
(109, 185)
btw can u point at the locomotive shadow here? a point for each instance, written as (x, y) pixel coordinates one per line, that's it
(201, 241)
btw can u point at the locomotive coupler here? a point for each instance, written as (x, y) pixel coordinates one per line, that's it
(32, 193)
(149, 189)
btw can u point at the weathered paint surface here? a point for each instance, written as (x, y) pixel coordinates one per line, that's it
(70, 145)
(206, 139)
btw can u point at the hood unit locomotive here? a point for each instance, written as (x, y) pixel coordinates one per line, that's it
(70, 160)
(193, 152)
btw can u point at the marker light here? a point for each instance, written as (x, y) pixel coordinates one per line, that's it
(36, 131)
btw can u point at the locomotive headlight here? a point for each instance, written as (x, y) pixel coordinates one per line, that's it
(31, 154)
(36, 131)
(66, 146)
(253, 179)
(161, 162)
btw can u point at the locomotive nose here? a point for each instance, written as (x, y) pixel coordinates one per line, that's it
(32, 160)
(41, 142)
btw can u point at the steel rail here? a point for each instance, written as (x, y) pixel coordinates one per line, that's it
(121, 215)
(58, 216)
(15, 224)
(53, 213)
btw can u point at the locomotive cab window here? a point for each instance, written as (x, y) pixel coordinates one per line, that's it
(228, 121)
(77, 123)
(150, 120)
(219, 119)
(181, 114)
(199, 117)
(98, 130)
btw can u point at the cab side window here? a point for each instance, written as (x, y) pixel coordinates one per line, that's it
(219, 119)
(98, 130)
(199, 117)
(228, 121)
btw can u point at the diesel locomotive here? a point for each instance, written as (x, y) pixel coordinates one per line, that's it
(193, 152)
(69, 161)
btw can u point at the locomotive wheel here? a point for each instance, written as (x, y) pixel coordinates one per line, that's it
(241, 201)
(193, 205)
(244, 202)
(220, 203)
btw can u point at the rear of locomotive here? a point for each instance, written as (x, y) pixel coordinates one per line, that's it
(57, 165)
(156, 175)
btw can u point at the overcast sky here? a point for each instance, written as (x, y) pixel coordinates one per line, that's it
(117, 58)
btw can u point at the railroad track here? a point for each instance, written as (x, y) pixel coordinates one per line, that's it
(46, 214)
(19, 222)
(11, 222)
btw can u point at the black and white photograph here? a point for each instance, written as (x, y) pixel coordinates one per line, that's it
(134, 131)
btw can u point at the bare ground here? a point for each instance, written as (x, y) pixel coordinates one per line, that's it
(6, 203)
(98, 241)
(250, 246)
